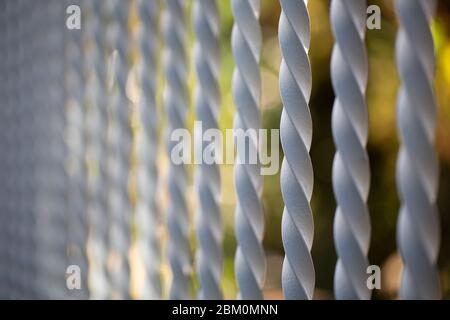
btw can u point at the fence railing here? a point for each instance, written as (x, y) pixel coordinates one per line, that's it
(82, 131)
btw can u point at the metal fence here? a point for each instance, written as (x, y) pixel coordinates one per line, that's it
(81, 133)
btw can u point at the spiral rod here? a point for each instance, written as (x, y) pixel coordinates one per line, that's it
(298, 275)
(351, 172)
(246, 42)
(418, 227)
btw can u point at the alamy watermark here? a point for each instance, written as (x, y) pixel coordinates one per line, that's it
(374, 17)
(374, 280)
(73, 20)
(210, 146)
(73, 277)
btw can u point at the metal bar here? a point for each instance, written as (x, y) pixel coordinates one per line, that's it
(74, 162)
(50, 214)
(351, 170)
(207, 98)
(26, 265)
(246, 42)
(56, 239)
(418, 228)
(176, 105)
(8, 150)
(94, 117)
(147, 211)
(4, 84)
(119, 132)
(298, 275)
(40, 97)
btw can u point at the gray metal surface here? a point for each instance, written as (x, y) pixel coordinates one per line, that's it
(147, 212)
(298, 275)
(351, 171)
(176, 105)
(34, 209)
(7, 155)
(4, 117)
(207, 180)
(119, 135)
(246, 42)
(74, 127)
(94, 118)
(418, 229)
(50, 206)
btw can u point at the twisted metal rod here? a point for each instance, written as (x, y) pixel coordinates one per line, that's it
(207, 97)
(35, 183)
(19, 123)
(100, 47)
(31, 77)
(94, 118)
(351, 171)
(176, 104)
(17, 203)
(24, 64)
(40, 96)
(4, 128)
(246, 41)
(119, 133)
(37, 98)
(59, 185)
(10, 152)
(51, 214)
(74, 158)
(418, 230)
(147, 211)
(298, 275)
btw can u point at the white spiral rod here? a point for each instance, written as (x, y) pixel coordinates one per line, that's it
(298, 275)
(147, 211)
(418, 228)
(207, 98)
(351, 171)
(246, 42)
(176, 105)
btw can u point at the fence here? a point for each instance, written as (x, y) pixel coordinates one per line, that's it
(82, 133)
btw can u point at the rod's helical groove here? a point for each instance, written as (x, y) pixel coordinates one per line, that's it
(246, 42)
(351, 171)
(147, 211)
(74, 160)
(418, 228)
(207, 98)
(176, 106)
(95, 123)
(120, 146)
(298, 275)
